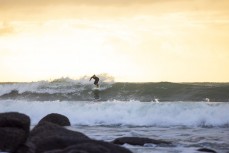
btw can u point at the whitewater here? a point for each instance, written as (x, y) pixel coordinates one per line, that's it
(182, 113)
(131, 113)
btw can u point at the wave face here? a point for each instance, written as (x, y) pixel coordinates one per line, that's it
(126, 113)
(66, 89)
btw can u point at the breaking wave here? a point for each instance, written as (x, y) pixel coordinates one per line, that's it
(131, 113)
(66, 89)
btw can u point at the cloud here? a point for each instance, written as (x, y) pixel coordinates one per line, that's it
(169, 4)
(106, 9)
(6, 29)
(77, 2)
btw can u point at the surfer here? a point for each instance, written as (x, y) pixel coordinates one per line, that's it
(96, 80)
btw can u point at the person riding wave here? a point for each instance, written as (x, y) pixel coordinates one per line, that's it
(96, 82)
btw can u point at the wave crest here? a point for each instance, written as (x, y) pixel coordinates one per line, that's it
(66, 89)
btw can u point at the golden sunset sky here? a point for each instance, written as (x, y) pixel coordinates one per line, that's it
(132, 40)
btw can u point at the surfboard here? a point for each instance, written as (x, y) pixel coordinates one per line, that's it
(96, 88)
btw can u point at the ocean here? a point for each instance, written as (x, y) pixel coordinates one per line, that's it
(190, 115)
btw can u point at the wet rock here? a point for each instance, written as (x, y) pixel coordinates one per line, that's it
(11, 138)
(51, 138)
(85, 148)
(16, 120)
(206, 150)
(14, 130)
(46, 129)
(45, 132)
(139, 141)
(56, 119)
(64, 151)
(70, 145)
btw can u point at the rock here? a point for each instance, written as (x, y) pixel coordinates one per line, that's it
(56, 119)
(88, 147)
(42, 130)
(64, 151)
(16, 120)
(51, 138)
(70, 145)
(139, 141)
(14, 130)
(11, 138)
(47, 130)
(82, 148)
(206, 150)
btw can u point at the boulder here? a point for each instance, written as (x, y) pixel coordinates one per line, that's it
(14, 130)
(16, 120)
(56, 119)
(51, 138)
(70, 145)
(87, 147)
(206, 150)
(139, 141)
(46, 129)
(11, 138)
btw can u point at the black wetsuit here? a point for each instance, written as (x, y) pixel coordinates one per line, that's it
(96, 80)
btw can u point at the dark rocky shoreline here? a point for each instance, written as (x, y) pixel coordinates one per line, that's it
(50, 136)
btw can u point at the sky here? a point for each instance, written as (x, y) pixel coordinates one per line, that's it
(131, 40)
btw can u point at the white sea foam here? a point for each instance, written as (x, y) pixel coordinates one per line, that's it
(126, 113)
